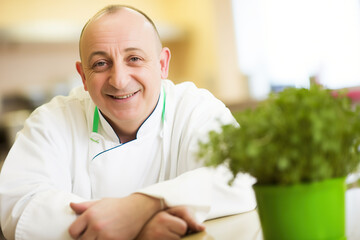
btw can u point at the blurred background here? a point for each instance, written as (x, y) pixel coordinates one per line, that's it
(240, 50)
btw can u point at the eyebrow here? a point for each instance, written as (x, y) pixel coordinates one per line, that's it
(133, 49)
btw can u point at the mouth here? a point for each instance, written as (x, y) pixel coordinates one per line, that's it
(121, 97)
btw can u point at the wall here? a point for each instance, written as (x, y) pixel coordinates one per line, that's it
(202, 45)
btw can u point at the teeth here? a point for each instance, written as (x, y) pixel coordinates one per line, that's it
(123, 97)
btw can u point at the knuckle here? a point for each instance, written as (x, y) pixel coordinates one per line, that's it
(90, 214)
(98, 226)
(185, 210)
(162, 217)
(183, 228)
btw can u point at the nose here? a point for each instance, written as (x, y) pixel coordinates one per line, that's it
(119, 77)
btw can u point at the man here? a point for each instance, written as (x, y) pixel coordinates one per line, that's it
(117, 161)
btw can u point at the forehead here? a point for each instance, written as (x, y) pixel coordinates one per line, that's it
(124, 28)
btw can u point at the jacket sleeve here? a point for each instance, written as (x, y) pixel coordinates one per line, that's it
(205, 190)
(35, 183)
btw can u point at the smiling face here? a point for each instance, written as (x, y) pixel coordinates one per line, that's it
(122, 67)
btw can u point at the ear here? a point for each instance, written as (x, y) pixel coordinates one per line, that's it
(80, 70)
(165, 56)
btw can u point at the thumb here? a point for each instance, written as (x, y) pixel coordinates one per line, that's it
(79, 208)
(193, 225)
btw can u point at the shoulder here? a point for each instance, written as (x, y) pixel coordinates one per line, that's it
(189, 105)
(78, 99)
(191, 113)
(187, 93)
(63, 111)
(183, 88)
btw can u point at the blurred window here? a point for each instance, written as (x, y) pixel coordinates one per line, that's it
(285, 42)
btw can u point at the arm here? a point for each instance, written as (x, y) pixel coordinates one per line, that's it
(110, 218)
(124, 218)
(204, 190)
(36, 181)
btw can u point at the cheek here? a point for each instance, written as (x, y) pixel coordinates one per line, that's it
(94, 82)
(151, 83)
(153, 86)
(152, 73)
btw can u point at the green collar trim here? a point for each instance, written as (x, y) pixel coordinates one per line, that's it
(163, 110)
(96, 120)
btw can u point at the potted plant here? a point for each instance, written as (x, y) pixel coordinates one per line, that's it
(299, 144)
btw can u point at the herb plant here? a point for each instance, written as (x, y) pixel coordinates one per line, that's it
(297, 135)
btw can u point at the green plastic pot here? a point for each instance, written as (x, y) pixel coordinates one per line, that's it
(309, 211)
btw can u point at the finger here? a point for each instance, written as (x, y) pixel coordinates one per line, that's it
(88, 235)
(79, 208)
(188, 217)
(78, 227)
(176, 225)
(193, 225)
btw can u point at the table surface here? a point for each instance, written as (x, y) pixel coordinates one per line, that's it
(240, 226)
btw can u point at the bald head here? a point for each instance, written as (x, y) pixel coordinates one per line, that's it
(117, 9)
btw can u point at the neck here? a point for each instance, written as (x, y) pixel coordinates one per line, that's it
(127, 131)
(126, 138)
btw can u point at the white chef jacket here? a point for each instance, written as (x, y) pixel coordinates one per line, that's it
(60, 156)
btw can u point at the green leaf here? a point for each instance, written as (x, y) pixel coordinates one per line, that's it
(297, 135)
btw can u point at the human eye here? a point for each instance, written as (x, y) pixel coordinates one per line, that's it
(100, 65)
(134, 59)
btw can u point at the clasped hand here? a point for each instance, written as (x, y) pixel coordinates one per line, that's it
(134, 217)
